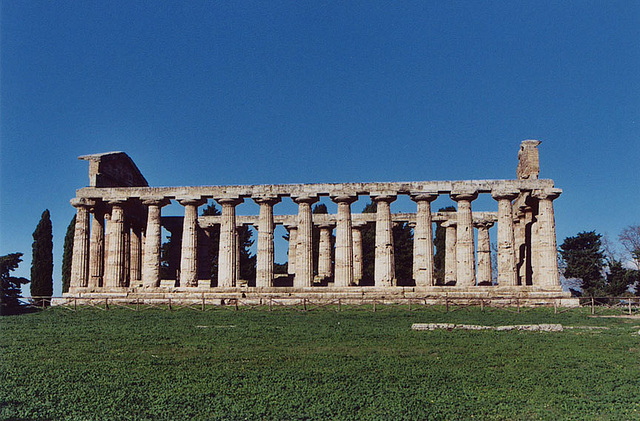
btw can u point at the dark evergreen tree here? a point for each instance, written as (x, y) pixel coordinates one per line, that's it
(67, 255)
(10, 286)
(619, 278)
(42, 260)
(584, 259)
(214, 242)
(247, 259)
(439, 243)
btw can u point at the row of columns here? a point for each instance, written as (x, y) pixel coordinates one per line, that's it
(126, 258)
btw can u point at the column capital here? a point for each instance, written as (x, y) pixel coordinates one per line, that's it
(79, 202)
(155, 201)
(344, 198)
(505, 194)
(449, 223)
(484, 224)
(229, 200)
(195, 201)
(358, 224)
(305, 198)
(326, 225)
(266, 199)
(548, 194)
(116, 201)
(383, 196)
(291, 226)
(424, 196)
(466, 195)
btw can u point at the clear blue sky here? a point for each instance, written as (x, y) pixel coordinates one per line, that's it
(204, 92)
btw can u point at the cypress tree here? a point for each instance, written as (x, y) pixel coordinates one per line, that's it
(67, 255)
(10, 286)
(42, 260)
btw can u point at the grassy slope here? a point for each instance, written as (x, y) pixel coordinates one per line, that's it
(285, 364)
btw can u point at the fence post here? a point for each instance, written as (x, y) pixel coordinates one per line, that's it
(446, 303)
(518, 304)
(304, 304)
(106, 304)
(374, 305)
(339, 304)
(593, 305)
(169, 303)
(481, 305)
(236, 304)
(137, 304)
(75, 303)
(203, 303)
(629, 306)
(409, 304)
(555, 307)
(270, 303)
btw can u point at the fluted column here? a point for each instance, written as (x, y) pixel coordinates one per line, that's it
(484, 252)
(293, 247)
(519, 246)
(423, 240)
(227, 253)
(153, 242)
(80, 256)
(384, 269)
(450, 258)
(304, 251)
(357, 251)
(114, 276)
(265, 255)
(507, 272)
(324, 252)
(135, 256)
(546, 238)
(344, 241)
(96, 247)
(189, 251)
(466, 272)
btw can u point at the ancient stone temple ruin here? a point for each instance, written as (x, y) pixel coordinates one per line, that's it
(118, 237)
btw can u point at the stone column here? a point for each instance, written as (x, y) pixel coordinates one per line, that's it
(114, 276)
(507, 274)
(265, 255)
(153, 243)
(450, 258)
(466, 272)
(519, 246)
(227, 256)
(80, 256)
(96, 247)
(357, 251)
(135, 267)
(293, 247)
(384, 269)
(484, 252)
(423, 240)
(304, 251)
(344, 241)
(189, 254)
(324, 252)
(548, 277)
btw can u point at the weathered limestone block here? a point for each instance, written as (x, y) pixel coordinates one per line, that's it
(528, 160)
(423, 240)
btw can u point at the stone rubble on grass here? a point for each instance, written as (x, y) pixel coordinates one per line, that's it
(544, 327)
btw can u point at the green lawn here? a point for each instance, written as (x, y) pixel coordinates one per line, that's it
(323, 364)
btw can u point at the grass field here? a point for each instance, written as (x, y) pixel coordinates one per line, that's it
(324, 364)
